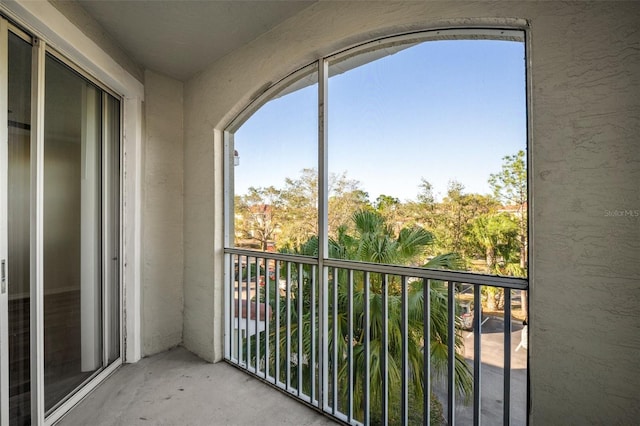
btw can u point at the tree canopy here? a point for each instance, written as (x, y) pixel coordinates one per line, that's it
(463, 231)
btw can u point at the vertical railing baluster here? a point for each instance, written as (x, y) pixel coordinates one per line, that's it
(451, 352)
(300, 355)
(477, 353)
(267, 317)
(405, 351)
(367, 355)
(248, 313)
(314, 347)
(507, 358)
(257, 317)
(426, 351)
(288, 333)
(385, 349)
(323, 337)
(241, 311)
(230, 311)
(350, 345)
(335, 342)
(277, 322)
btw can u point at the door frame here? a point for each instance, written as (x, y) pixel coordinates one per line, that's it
(4, 151)
(43, 20)
(36, 225)
(40, 49)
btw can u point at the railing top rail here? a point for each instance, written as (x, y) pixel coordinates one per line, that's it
(295, 258)
(433, 274)
(410, 271)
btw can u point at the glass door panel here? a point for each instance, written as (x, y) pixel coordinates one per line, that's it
(73, 340)
(18, 235)
(81, 314)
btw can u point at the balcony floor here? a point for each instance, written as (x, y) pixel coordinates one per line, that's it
(178, 388)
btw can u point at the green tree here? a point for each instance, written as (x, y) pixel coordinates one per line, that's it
(420, 213)
(390, 208)
(299, 209)
(510, 188)
(425, 195)
(452, 218)
(345, 197)
(258, 215)
(288, 216)
(373, 240)
(496, 237)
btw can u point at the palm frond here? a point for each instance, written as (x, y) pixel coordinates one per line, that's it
(451, 261)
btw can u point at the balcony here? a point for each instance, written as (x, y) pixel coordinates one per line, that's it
(368, 362)
(264, 294)
(177, 388)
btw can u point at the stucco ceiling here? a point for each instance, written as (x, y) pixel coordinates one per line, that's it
(180, 38)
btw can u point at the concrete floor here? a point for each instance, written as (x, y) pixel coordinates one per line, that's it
(178, 388)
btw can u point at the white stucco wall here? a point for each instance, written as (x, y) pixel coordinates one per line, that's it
(585, 71)
(162, 217)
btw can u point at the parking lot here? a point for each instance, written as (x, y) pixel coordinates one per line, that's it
(492, 356)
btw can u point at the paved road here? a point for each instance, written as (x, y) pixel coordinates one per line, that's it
(492, 378)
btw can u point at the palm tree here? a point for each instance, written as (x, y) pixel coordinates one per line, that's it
(373, 241)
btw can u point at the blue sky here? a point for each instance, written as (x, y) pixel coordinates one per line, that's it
(440, 110)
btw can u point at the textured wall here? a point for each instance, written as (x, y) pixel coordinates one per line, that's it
(586, 282)
(585, 71)
(162, 216)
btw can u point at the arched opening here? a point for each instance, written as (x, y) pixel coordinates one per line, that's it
(382, 197)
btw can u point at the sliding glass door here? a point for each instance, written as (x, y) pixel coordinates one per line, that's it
(16, 264)
(72, 231)
(60, 301)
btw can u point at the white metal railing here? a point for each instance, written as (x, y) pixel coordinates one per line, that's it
(349, 339)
